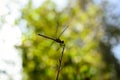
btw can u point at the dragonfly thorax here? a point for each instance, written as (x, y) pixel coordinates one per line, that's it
(59, 41)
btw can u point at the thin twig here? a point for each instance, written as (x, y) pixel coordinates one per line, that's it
(60, 62)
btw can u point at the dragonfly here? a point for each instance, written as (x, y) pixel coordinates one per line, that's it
(58, 40)
(61, 42)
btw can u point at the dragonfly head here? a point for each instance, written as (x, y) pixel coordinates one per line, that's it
(62, 42)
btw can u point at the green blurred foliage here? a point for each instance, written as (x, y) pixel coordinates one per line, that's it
(82, 59)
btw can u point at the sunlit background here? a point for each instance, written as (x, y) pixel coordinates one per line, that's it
(11, 34)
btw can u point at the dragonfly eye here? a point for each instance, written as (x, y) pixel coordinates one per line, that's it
(62, 41)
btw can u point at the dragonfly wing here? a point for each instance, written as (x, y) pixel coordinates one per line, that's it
(58, 48)
(47, 48)
(56, 31)
(52, 43)
(63, 31)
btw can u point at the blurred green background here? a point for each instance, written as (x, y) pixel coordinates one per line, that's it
(87, 55)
